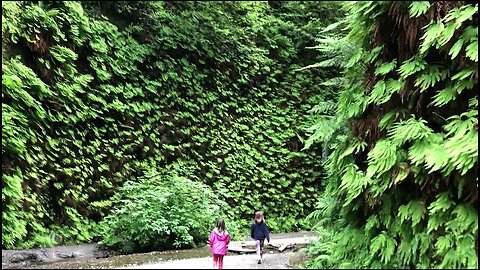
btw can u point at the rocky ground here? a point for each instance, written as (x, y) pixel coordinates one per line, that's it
(87, 256)
(19, 258)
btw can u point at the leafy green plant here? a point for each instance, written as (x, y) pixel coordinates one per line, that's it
(405, 147)
(161, 212)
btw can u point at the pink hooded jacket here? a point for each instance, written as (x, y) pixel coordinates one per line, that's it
(219, 242)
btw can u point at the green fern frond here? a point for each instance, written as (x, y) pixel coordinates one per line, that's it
(385, 68)
(63, 54)
(385, 244)
(430, 77)
(418, 8)
(432, 33)
(414, 210)
(443, 244)
(381, 158)
(472, 51)
(412, 66)
(409, 130)
(451, 91)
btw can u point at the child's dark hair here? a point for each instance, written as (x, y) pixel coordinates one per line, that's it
(221, 224)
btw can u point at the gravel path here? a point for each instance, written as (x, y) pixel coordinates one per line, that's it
(248, 261)
(87, 256)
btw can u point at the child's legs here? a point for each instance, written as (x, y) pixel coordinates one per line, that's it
(261, 246)
(215, 259)
(220, 261)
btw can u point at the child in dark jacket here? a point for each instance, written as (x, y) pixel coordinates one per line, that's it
(259, 232)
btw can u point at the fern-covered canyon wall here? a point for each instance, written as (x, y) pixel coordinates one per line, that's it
(98, 94)
(136, 124)
(403, 168)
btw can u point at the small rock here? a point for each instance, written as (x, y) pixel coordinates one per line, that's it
(25, 256)
(66, 255)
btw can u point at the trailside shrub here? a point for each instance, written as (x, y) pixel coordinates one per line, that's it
(160, 212)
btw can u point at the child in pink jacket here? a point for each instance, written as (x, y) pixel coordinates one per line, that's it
(219, 239)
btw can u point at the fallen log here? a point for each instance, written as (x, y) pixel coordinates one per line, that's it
(285, 246)
(240, 249)
(272, 246)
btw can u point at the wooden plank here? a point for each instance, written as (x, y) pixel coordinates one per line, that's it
(286, 246)
(272, 246)
(283, 247)
(241, 250)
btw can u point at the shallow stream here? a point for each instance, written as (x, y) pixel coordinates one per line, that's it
(118, 261)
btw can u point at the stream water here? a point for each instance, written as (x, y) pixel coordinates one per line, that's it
(118, 261)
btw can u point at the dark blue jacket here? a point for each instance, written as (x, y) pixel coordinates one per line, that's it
(259, 231)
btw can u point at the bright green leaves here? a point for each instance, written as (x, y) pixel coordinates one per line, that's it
(430, 77)
(452, 90)
(414, 189)
(17, 75)
(18, 81)
(409, 130)
(381, 158)
(389, 118)
(378, 93)
(457, 224)
(385, 68)
(385, 244)
(418, 8)
(431, 35)
(472, 50)
(461, 14)
(354, 59)
(158, 204)
(63, 54)
(411, 66)
(465, 220)
(353, 182)
(461, 144)
(436, 156)
(439, 33)
(447, 34)
(99, 45)
(444, 243)
(372, 223)
(437, 211)
(431, 152)
(168, 90)
(14, 125)
(455, 50)
(14, 225)
(414, 210)
(13, 186)
(382, 91)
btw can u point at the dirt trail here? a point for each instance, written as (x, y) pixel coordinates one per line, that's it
(271, 260)
(249, 261)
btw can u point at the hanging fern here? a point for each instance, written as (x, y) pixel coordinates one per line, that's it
(411, 194)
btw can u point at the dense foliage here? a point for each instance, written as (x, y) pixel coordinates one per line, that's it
(402, 177)
(158, 212)
(95, 93)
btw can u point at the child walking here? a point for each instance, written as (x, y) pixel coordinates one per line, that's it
(259, 232)
(219, 239)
